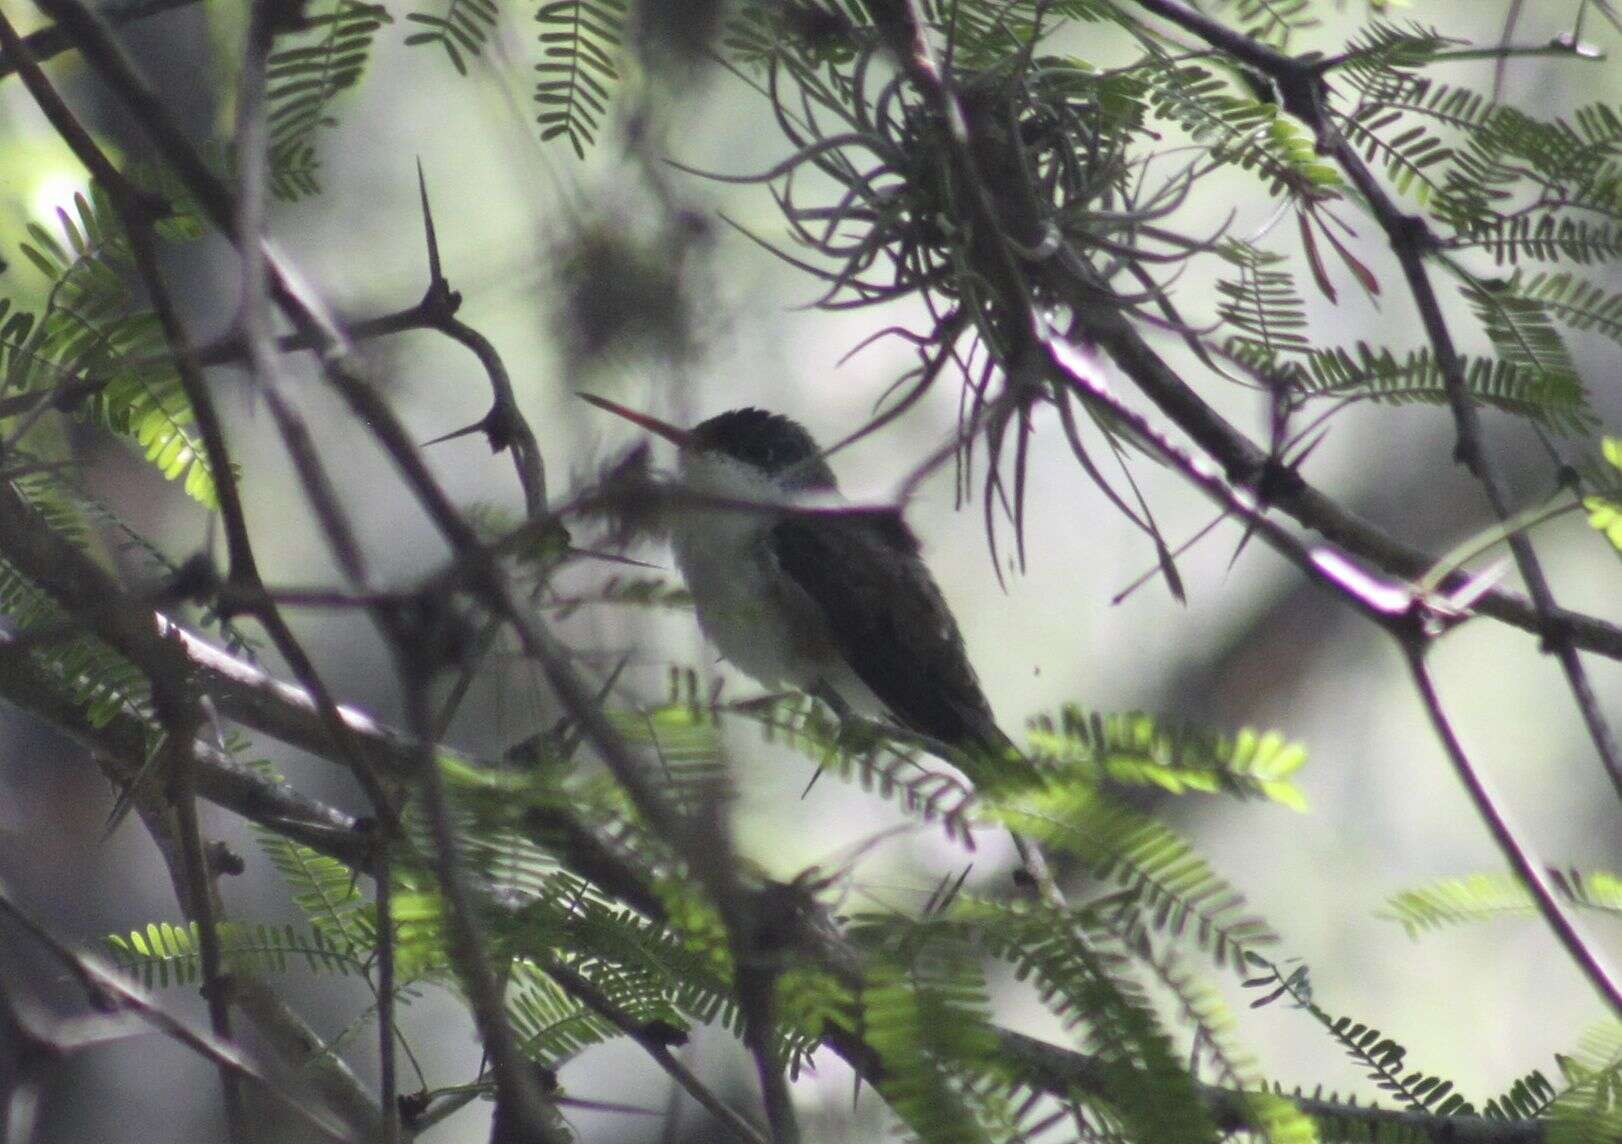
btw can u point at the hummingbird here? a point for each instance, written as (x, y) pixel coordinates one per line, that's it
(839, 605)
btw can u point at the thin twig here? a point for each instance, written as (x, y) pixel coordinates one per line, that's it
(103, 984)
(515, 1080)
(180, 717)
(388, 1079)
(308, 1054)
(594, 999)
(1520, 858)
(504, 426)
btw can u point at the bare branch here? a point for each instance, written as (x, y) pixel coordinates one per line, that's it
(180, 718)
(1515, 851)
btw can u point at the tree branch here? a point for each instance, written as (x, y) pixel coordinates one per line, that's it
(1520, 858)
(104, 986)
(1062, 1072)
(195, 887)
(51, 41)
(594, 999)
(1305, 95)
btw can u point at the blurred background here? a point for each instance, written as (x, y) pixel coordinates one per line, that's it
(1253, 645)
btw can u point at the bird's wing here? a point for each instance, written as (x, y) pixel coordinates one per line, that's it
(890, 623)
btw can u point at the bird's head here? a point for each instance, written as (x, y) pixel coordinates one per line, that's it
(748, 443)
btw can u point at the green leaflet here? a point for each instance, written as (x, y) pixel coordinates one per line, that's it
(1383, 1058)
(1575, 302)
(1605, 508)
(1273, 21)
(1588, 1108)
(460, 30)
(91, 329)
(1084, 974)
(89, 672)
(308, 70)
(1366, 372)
(924, 1008)
(1136, 749)
(1176, 889)
(1484, 897)
(1251, 134)
(161, 954)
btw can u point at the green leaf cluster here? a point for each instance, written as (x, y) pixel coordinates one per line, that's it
(308, 70)
(91, 332)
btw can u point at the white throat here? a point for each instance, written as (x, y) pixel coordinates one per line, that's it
(747, 606)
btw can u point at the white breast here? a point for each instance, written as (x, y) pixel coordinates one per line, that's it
(748, 607)
(724, 557)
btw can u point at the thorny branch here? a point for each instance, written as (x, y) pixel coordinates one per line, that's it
(165, 653)
(1061, 1072)
(1515, 851)
(513, 1078)
(107, 988)
(253, 142)
(180, 718)
(595, 1000)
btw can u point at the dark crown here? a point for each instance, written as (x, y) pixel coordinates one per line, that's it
(768, 441)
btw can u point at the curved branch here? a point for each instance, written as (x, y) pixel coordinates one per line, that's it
(1411, 240)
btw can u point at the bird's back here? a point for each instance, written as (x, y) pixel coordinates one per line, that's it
(887, 619)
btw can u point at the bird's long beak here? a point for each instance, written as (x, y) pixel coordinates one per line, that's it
(651, 424)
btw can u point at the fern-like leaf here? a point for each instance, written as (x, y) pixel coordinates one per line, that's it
(1523, 332)
(551, 1025)
(1384, 1058)
(1251, 134)
(306, 72)
(1530, 1096)
(580, 44)
(91, 328)
(1485, 897)
(88, 672)
(1138, 750)
(1363, 372)
(1273, 21)
(1588, 1109)
(1580, 304)
(161, 954)
(875, 763)
(327, 891)
(1176, 889)
(1085, 978)
(460, 30)
(1281, 1121)
(1263, 304)
(1605, 505)
(925, 1010)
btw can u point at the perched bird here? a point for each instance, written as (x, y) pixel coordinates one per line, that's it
(839, 605)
